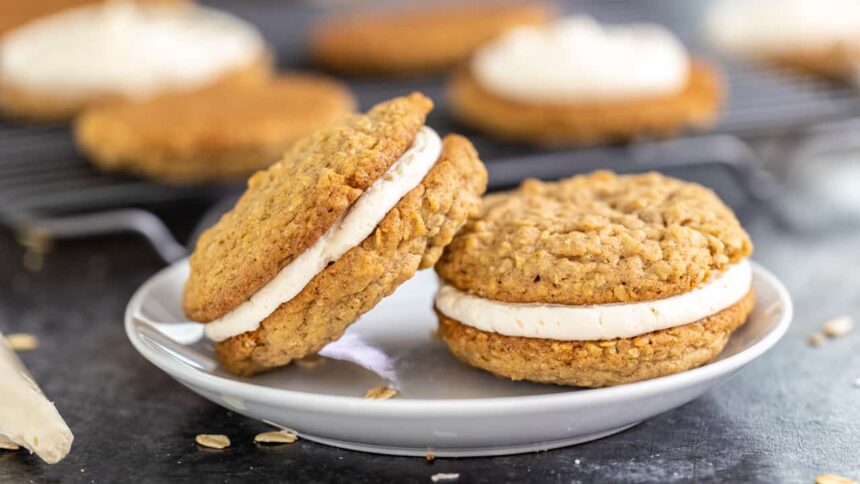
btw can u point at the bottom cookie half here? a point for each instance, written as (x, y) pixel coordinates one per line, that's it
(597, 363)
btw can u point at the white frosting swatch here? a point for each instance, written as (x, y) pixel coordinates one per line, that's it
(761, 27)
(596, 322)
(577, 59)
(27, 418)
(355, 226)
(123, 48)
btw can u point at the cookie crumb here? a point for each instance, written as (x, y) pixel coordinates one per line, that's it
(450, 476)
(277, 437)
(816, 339)
(380, 393)
(832, 479)
(6, 445)
(22, 342)
(213, 441)
(430, 457)
(838, 327)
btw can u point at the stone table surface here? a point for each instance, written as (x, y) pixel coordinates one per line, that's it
(792, 414)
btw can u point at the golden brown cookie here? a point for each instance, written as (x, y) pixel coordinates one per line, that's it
(590, 240)
(216, 134)
(415, 39)
(14, 13)
(289, 206)
(34, 105)
(581, 124)
(597, 363)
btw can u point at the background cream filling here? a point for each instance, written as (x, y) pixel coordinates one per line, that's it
(577, 59)
(355, 226)
(601, 321)
(123, 48)
(761, 27)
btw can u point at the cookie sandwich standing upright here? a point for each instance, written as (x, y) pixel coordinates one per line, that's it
(347, 215)
(53, 67)
(415, 39)
(577, 82)
(595, 280)
(221, 133)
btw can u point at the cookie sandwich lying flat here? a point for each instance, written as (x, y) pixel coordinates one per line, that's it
(346, 216)
(415, 39)
(576, 82)
(214, 134)
(55, 66)
(819, 36)
(595, 280)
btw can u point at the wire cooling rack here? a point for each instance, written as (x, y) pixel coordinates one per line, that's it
(47, 187)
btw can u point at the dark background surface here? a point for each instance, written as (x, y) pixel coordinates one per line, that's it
(791, 415)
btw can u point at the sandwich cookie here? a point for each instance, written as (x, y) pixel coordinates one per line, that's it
(214, 134)
(53, 67)
(319, 238)
(576, 82)
(819, 36)
(595, 280)
(415, 39)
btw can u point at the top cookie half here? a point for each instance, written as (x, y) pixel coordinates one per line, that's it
(287, 207)
(595, 239)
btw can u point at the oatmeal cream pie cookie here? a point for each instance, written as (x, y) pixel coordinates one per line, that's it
(55, 66)
(416, 39)
(346, 216)
(595, 280)
(214, 134)
(819, 36)
(576, 82)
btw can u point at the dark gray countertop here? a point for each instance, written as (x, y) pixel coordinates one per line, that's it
(791, 415)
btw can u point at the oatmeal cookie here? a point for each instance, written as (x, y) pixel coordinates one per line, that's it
(581, 124)
(417, 39)
(217, 134)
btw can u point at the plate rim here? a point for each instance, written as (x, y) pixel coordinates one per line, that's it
(343, 404)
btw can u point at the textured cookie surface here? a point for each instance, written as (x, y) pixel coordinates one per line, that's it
(217, 133)
(588, 123)
(595, 239)
(596, 363)
(287, 207)
(38, 105)
(416, 39)
(411, 236)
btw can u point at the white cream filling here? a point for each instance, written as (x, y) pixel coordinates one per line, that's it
(129, 49)
(577, 59)
(596, 322)
(355, 226)
(762, 27)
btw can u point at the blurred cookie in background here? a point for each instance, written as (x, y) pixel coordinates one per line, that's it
(15, 13)
(53, 67)
(577, 82)
(221, 133)
(415, 39)
(819, 36)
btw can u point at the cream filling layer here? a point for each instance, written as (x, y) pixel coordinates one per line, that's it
(579, 60)
(127, 48)
(600, 321)
(355, 226)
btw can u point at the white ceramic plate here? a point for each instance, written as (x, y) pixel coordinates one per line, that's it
(442, 404)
